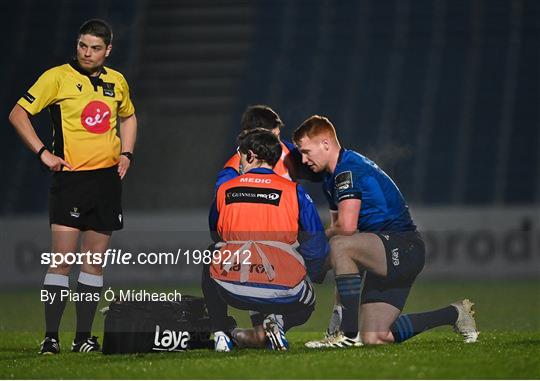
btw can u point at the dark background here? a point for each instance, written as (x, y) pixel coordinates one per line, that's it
(444, 95)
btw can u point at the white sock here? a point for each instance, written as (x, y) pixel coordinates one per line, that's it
(335, 319)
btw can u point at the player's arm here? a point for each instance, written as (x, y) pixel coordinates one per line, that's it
(213, 217)
(346, 201)
(313, 243)
(333, 216)
(344, 221)
(128, 136)
(20, 120)
(224, 175)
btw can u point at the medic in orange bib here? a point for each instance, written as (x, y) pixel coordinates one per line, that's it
(270, 238)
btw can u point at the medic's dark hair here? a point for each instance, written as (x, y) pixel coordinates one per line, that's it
(263, 143)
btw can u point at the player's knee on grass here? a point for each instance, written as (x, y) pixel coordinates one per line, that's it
(250, 338)
(259, 332)
(377, 338)
(260, 338)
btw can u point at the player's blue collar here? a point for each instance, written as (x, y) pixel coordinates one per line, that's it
(261, 171)
(340, 156)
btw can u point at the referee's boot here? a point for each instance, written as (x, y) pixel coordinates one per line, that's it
(49, 346)
(89, 345)
(465, 324)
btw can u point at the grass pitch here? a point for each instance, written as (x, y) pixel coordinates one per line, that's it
(507, 316)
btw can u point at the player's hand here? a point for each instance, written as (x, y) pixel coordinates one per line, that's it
(123, 166)
(53, 162)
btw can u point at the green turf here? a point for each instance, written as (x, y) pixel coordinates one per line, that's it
(509, 346)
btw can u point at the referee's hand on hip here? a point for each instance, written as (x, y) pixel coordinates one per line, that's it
(53, 162)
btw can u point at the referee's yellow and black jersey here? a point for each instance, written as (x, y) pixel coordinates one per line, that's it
(84, 112)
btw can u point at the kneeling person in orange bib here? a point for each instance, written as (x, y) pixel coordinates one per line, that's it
(270, 239)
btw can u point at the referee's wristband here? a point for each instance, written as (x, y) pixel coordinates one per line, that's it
(128, 154)
(40, 152)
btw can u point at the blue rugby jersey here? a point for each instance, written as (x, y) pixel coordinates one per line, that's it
(383, 207)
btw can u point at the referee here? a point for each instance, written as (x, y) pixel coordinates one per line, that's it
(86, 100)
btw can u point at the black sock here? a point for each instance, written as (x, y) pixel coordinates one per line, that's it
(54, 284)
(348, 286)
(88, 287)
(407, 326)
(216, 306)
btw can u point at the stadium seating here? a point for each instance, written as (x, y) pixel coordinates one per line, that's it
(443, 94)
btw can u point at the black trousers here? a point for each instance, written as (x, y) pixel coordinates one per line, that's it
(217, 302)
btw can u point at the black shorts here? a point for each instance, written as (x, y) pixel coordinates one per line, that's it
(87, 200)
(405, 257)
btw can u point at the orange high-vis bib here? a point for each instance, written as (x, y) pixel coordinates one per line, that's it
(262, 208)
(279, 169)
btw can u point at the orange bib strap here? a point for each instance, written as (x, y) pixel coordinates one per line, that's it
(268, 268)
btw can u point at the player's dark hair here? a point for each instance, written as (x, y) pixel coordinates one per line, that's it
(260, 116)
(313, 126)
(264, 144)
(98, 28)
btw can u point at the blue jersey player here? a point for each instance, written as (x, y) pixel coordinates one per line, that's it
(371, 231)
(290, 163)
